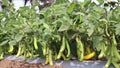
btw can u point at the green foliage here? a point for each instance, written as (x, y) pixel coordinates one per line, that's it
(61, 1)
(53, 32)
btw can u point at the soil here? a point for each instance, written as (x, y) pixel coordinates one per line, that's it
(6, 63)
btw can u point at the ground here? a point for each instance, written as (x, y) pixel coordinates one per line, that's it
(6, 63)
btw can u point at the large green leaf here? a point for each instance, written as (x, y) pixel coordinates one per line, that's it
(87, 3)
(5, 2)
(3, 42)
(66, 22)
(71, 7)
(117, 29)
(97, 41)
(101, 1)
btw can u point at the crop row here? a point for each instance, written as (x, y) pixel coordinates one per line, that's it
(85, 31)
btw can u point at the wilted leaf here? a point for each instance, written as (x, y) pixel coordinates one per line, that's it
(18, 37)
(90, 31)
(64, 27)
(13, 42)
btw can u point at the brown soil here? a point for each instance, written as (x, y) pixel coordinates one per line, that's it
(20, 64)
